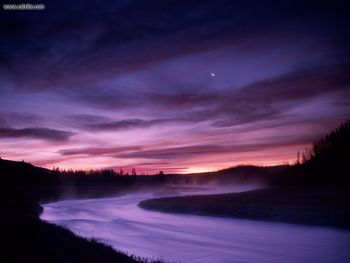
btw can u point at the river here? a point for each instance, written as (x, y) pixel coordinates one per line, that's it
(119, 222)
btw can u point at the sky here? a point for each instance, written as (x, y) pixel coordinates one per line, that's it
(180, 86)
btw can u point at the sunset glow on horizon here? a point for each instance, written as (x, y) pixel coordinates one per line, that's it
(184, 88)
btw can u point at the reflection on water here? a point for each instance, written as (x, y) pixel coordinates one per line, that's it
(122, 224)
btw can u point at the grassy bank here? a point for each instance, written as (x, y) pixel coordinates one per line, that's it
(318, 206)
(25, 238)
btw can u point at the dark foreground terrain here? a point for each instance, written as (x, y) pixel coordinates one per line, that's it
(324, 207)
(25, 238)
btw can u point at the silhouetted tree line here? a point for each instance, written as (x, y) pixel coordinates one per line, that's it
(334, 147)
(105, 179)
(329, 157)
(19, 178)
(327, 162)
(103, 175)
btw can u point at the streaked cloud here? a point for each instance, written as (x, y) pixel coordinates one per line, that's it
(98, 151)
(35, 133)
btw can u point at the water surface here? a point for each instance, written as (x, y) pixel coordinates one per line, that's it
(190, 238)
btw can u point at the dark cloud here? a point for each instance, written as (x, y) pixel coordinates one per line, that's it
(174, 152)
(128, 124)
(185, 95)
(35, 133)
(302, 84)
(105, 97)
(262, 100)
(153, 163)
(20, 118)
(87, 118)
(98, 151)
(2, 122)
(120, 36)
(199, 150)
(97, 38)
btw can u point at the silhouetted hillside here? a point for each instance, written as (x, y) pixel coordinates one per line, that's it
(329, 157)
(22, 173)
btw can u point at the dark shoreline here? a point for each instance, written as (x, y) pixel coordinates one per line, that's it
(28, 238)
(314, 207)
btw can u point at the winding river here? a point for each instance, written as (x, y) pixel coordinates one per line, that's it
(120, 223)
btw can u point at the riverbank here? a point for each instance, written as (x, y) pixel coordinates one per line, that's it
(195, 239)
(26, 238)
(308, 206)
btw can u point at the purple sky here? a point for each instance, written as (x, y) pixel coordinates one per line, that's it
(179, 86)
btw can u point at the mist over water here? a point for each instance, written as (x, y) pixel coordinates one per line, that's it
(190, 238)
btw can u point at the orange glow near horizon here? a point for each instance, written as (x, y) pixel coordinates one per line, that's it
(206, 163)
(259, 146)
